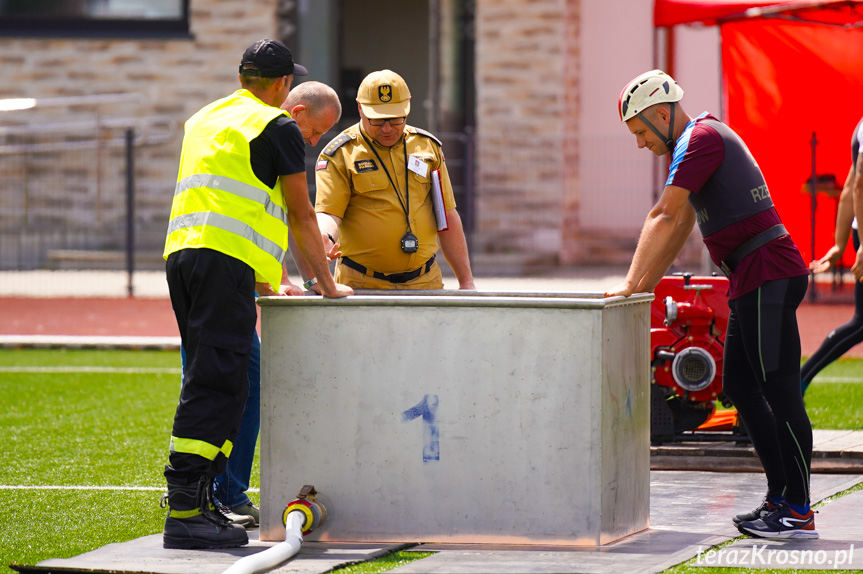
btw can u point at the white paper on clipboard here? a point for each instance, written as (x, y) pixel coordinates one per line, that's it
(437, 202)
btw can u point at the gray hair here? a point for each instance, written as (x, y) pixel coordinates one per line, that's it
(315, 96)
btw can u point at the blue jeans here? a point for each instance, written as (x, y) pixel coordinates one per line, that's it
(231, 486)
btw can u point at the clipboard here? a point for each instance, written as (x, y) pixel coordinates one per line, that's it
(437, 202)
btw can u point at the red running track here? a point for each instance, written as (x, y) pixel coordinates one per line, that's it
(154, 318)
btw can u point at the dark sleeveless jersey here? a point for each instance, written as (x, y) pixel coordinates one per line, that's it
(856, 137)
(732, 203)
(856, 140)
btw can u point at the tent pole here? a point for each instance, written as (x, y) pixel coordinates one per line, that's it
(812, 191)
(723, 115)
(657, 49)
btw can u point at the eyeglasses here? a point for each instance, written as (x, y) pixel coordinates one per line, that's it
(392, 121)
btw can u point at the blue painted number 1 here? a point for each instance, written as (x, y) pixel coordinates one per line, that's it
(426, 409)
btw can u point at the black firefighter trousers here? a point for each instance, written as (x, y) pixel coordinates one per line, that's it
(213, 296)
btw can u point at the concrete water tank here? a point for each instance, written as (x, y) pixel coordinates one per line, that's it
(506, 418)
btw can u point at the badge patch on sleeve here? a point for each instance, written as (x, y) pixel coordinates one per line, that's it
(322, 164)
(365, 165)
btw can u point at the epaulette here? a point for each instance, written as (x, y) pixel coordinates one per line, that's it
(422, 132)
(337, 142)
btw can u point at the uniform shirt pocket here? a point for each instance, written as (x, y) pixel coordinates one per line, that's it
(370, 182)
(422, 179)
(428, 160)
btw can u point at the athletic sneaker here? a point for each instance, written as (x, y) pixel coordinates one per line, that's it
(766, 508)
(251, 510)
(233, 517)
(783, 522)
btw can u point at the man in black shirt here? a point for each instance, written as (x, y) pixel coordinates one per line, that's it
(227, 238)
(314, 108)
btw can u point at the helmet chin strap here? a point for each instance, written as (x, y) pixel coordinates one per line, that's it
(669, 141)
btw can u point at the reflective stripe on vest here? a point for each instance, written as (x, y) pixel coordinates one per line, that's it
(229, 224)
(234, 187)
(219, 203)
(199, 447)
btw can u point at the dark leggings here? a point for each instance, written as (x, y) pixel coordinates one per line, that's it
(840, 340)
(762, 379)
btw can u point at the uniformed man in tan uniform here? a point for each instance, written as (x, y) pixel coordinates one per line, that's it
(374, 199)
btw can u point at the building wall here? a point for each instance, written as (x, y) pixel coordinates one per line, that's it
(616, 180)
(524, 52)
(174, 77)
(560, 179)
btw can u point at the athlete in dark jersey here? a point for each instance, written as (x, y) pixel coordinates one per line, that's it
(841, 339)
(732, 203)
(714, 180)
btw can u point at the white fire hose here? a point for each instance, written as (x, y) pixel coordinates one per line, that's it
(301, 517)
(272, 557)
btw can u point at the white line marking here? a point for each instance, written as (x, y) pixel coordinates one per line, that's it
(130, 488)
(109, 370)
(837, 380)
(46, 487)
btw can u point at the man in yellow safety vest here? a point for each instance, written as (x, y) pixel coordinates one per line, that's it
(241, 184)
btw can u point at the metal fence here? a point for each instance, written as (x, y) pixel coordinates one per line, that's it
(88, 194)
(85, 198)
(93, 195)
(81, 189)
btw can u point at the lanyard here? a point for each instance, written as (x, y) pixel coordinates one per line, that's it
(406, 204)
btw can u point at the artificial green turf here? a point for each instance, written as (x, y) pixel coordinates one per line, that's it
(85, 428)
(37, 525)
(112, 429)
(693, 569)
(89, 357)
(384, 563)
(94, 429)
(833, 400)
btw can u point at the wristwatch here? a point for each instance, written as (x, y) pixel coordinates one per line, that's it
(308, 284)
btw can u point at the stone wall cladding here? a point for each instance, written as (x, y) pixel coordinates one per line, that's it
(174, 78)
(527, 79)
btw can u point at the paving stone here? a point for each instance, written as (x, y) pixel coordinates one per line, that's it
(147, 555)
(840, 546)
(689, 513)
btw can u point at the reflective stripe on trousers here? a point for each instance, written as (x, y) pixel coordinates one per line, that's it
(199, 447)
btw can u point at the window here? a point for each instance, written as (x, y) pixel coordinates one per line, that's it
(114, 18)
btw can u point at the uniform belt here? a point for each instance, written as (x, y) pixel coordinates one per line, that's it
(751, 245)
(392, 277)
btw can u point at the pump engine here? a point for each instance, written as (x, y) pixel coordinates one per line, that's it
(689, 316)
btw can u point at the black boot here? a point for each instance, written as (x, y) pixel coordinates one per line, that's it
(194, 522)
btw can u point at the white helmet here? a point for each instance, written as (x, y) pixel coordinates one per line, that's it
(650, 88)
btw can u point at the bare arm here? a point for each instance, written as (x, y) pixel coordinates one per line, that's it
(661, 240)
(454, 246)
(307, 235)
(681, 233)
(844, 217)
(286, 287)
(857, 194)
(329, 223)
(329, 226)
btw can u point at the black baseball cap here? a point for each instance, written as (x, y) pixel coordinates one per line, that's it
(270, 59)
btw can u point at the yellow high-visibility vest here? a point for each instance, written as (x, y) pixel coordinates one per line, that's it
(219, 203)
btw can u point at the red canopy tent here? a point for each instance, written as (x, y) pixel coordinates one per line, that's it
(790, 70)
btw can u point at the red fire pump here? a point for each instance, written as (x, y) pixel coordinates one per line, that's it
(689, 316)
